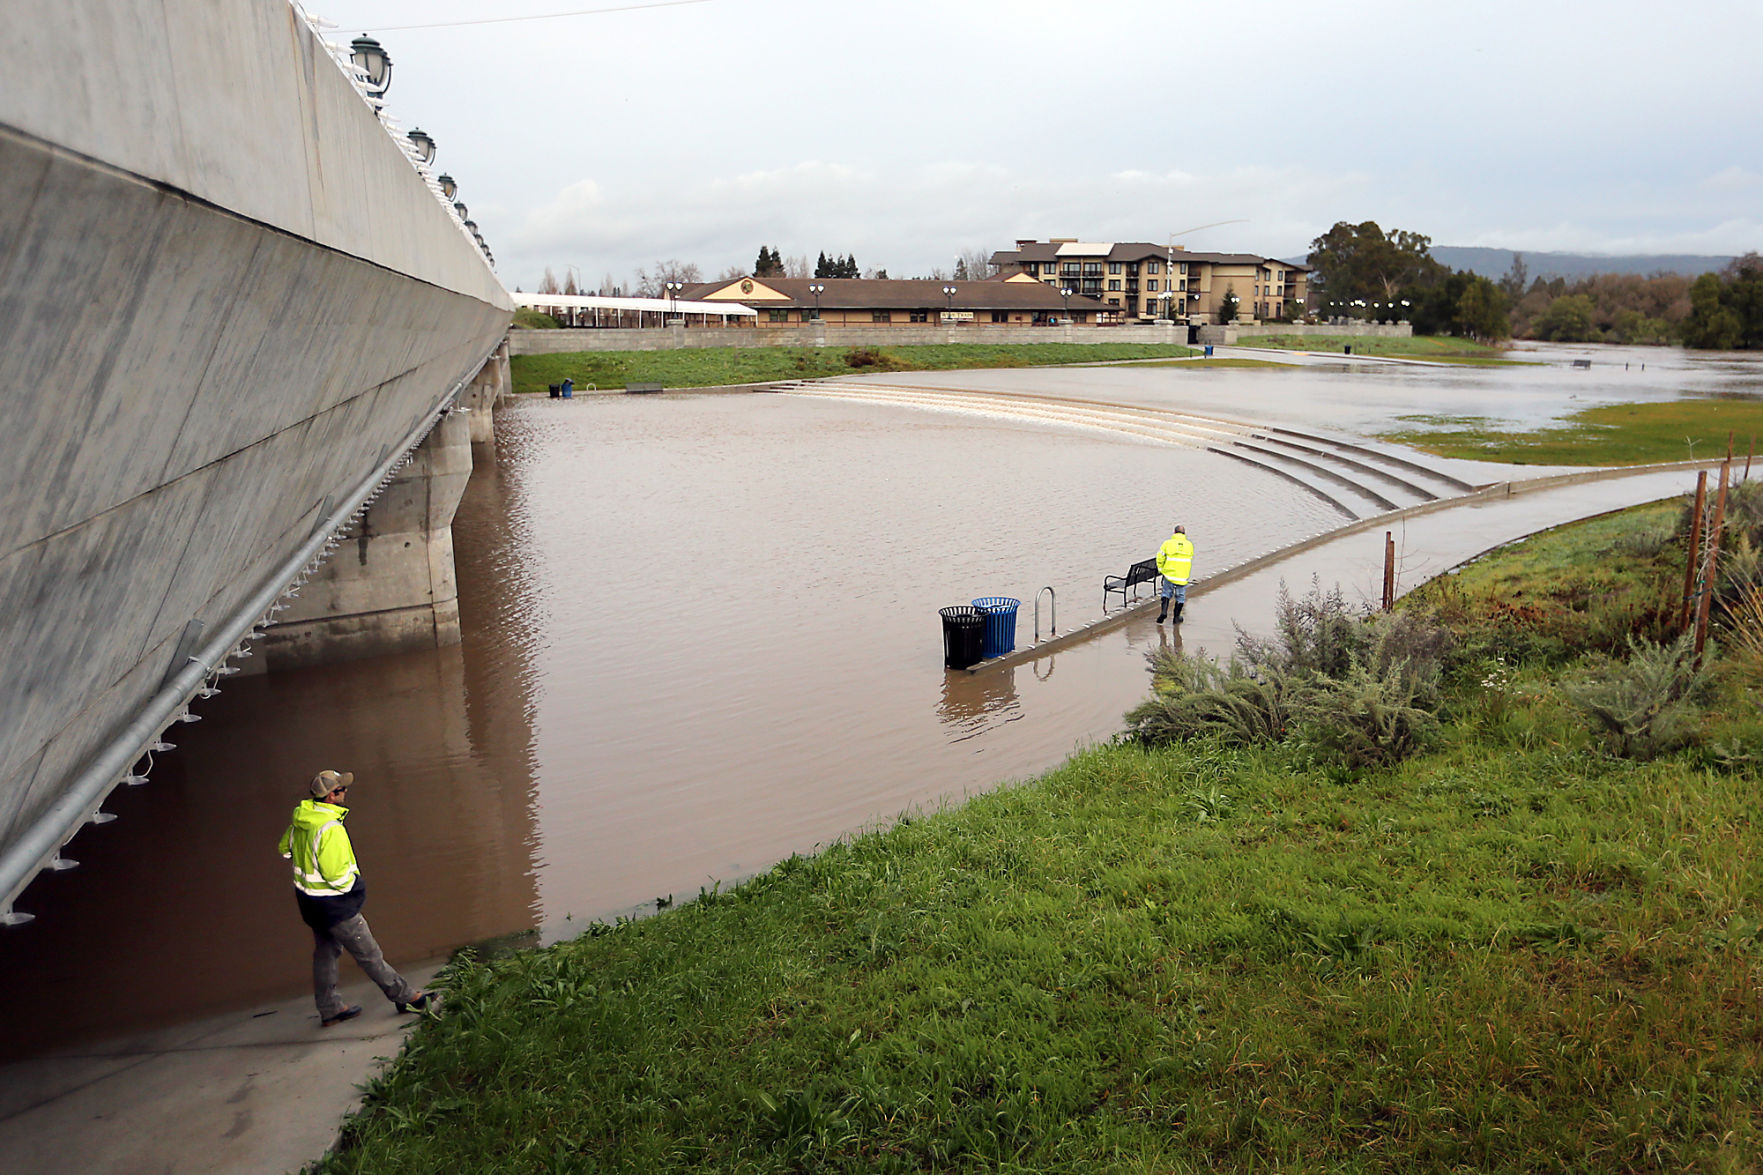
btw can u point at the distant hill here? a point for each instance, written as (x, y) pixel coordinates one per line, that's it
(1495, 263)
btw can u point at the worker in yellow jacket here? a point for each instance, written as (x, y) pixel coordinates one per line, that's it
(329, 890)
(1175, 563)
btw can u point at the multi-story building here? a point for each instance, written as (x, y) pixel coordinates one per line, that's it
(1150, 281)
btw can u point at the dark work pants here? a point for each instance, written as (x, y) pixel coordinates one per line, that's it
(352, 935)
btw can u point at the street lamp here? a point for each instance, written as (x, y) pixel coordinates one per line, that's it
(1065, 293)
(817, 290)
(371, 58)
(949, 293)
(449, 188)
(673, 289)
(424, 144)
(460, 209)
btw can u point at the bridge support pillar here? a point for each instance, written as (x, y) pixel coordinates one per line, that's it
(390, 587)
(488, 386)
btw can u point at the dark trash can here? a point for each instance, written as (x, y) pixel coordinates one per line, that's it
(1000, 617)
(569, 389)
(963, 636)
(1347, 350)
(556, 391)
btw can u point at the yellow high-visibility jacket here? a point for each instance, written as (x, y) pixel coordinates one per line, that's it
(1175, 558)
(324, 860)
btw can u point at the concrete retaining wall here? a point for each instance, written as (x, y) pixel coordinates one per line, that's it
(552, 342)
(187, 385)
(670, 338)
(1369, 330)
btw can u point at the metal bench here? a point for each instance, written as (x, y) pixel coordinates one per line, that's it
(1144, 571)
(642, 387)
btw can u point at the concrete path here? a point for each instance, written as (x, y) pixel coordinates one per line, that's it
(264, 1089)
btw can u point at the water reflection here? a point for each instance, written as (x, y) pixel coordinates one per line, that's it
(977, 702)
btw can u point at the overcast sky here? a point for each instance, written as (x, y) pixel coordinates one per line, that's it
(905, 132)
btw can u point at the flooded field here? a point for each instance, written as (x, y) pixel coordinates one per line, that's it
(700, 635)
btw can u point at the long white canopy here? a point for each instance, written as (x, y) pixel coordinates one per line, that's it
(656, 305)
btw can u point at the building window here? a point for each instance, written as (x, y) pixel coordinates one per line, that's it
(1151, 285)
(1069, 269)
(918, 316)
(1114, 267)
(1114, 301)
(1051, 282)
(1000, 316)
(779, 315)
(1184, 267)
(1092, 269)
(1114, 283)
(881, 316)
(1153, 267)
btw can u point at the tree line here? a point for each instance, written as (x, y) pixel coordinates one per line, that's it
(1363, 272)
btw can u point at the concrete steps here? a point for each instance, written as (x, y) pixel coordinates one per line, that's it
(1357, 479)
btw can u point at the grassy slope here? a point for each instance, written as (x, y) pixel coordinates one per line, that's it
(1512, 953)
(1611, 434)
(711, 367)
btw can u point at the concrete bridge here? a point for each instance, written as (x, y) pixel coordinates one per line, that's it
(237, 324)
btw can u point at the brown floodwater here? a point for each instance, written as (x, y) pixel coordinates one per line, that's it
(700, 634)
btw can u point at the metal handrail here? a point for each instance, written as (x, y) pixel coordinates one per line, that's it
(1052, 612)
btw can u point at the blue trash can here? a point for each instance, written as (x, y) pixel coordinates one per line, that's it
(1208, 354)
(1000, 617)
(569, 389)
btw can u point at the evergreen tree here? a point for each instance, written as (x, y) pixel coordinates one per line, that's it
(961, 273)
(821, 268)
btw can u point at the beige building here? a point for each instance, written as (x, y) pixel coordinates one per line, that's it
(1146, 281)
(794, 301)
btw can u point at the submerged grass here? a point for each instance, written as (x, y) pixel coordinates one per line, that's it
(1442, 347)
(716, 366)
(1609, 434)
(1510, 952)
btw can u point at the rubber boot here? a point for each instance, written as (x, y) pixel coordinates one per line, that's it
(1163, 611)
(1178, 609)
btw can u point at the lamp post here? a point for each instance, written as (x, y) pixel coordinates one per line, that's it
(460, 209)
(424, 144)
(1065, 292)
(449, 188)
(371, 58)
(673, 289)
(817, 289)
(949, 293)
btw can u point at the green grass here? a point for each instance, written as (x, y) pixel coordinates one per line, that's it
(1610, 434)
(1512, 953)
(711, 367)
(1441, 347)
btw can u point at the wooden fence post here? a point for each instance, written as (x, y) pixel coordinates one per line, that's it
(1389, 570)
(1711, 567)
(1695, 556)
